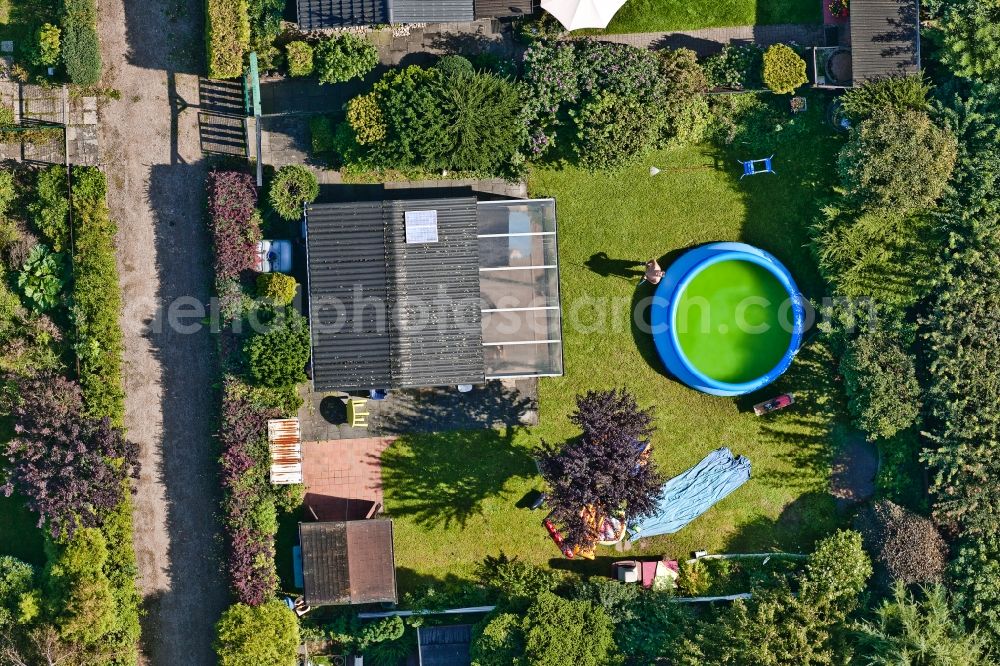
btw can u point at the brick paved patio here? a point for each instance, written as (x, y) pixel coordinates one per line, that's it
(343, 478)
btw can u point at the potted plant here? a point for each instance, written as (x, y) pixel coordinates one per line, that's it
(798, 104)
(839, 8)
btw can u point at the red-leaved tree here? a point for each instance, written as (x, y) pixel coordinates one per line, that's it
(71, 468)
(606, 470)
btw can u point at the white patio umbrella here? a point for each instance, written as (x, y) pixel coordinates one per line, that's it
(577, 14)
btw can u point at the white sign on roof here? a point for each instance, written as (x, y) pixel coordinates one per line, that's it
(421, 226)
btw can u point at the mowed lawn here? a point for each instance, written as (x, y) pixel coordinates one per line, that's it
(668, 15)
(460, 496)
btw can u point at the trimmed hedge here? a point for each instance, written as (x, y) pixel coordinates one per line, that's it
(228, 35)
(81, 48)
(97, 302)
(250, 515)
(97, 298)
(232, 198)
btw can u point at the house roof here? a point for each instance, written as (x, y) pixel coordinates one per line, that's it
(319, 14)
(431, 11)
(445, 646)
(885, 38)
(348, 562)
(501, 8)
(387, 313)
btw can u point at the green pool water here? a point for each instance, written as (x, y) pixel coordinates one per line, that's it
(708, 319)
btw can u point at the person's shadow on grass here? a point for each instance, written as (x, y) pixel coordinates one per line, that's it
(605, 266)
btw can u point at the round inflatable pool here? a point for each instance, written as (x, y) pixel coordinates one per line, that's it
(727, 318)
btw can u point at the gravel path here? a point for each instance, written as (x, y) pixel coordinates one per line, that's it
(150, 150)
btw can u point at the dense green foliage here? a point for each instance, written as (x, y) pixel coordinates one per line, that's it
(880, 378)
(97, 298)
(265, 635)
(48, 45)
(962, 391)
(428, 119)
(784, 70)
(972, 38)
(17, 601)
(293, 186)
(343, 58)
(278, 354)
(513, 578)
(81, 49)
(779, 626)
(478, 109)
(878, 255)
(49, 208)
(276, 288)
(365, 117)
(604, 105)
(75, 458)
(265, 24)
(454, 65)
(926, 629)
(898, 93)
(42, 278)
(228, 30)
(434, 119)
(552, 631)
(736, 66)
(898, 160)
(82, 600)
(975, 576)
(612, 132)
(685, 109)
(300, 58)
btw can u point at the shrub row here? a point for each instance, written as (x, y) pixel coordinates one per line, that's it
(604, 105)
(250, 515)
(228, 37)
(97, 298)
(235, 228)
(81, 48)
(251, 503)
(78, 464)
(232, 198)
(99, 345)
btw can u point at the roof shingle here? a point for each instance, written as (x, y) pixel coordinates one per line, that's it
(390, 314)
(885, 38)
(348, 562)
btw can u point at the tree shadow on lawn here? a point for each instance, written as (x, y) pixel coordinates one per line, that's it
(803, 430)
(451, 590)
(441, 480)
(809, 517)
(487, 406)
(639, 316)
(781, 207)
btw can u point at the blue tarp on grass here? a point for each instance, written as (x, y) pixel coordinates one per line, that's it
(687, 496)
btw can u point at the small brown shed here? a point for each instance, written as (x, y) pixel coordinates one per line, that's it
(348, 562)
